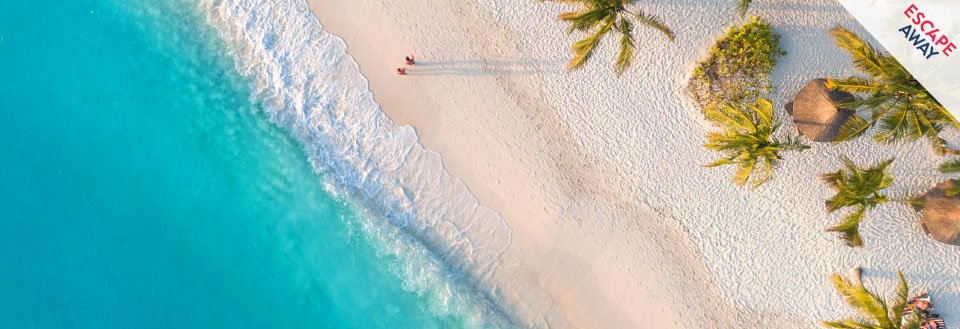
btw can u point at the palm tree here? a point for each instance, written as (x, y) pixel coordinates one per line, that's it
(743, 5)
(747, 141)
(875, 313)
(598, 18)
(859, 189)
(889, 98)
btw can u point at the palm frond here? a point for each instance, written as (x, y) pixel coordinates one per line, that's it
(874, 312)
(932, 132)
(742, 6)
(950, 167)
(764, 110)
(597, 18)
(899, 124)
(742, 175)
(847, 324)
(849, 229)
(952, 191)
(585, 19)
(867, 303)
(583, 49)
(791, 143)
(898, 105)
(913, 322)
(865, 57)
(943, 112)
(900, 300)
(720, 162)
(627, 47)
(857, 188)
(653, 22)
(834, 179)
(853, 85)
(747, 141)
(853, 128)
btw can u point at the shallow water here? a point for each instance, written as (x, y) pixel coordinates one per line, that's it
(144, 187)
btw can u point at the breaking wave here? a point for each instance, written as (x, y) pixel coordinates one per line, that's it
(450, 247)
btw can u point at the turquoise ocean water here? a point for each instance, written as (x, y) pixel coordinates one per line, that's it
(142, 187)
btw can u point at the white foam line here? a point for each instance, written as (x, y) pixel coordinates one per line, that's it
(309, 85)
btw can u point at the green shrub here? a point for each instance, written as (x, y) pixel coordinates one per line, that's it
(739, 66)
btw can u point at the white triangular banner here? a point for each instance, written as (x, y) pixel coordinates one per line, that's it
(923, 35)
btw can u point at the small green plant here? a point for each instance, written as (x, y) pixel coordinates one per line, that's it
(874, 312)
(747, 140)
(857, 188)
(739, 66)
(889, 98)
(598, 18)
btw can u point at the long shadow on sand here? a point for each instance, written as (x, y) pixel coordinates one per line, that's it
(483, 67)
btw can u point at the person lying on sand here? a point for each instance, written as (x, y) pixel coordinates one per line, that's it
(409, 60)
(402, 71)
(930, 324)
(921, 304)
(934, 322)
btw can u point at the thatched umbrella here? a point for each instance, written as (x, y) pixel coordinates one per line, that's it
(941, 213)
(815, 114)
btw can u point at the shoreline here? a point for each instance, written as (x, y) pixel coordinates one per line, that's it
(605, 260)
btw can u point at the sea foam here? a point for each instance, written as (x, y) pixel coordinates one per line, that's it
(308, 84)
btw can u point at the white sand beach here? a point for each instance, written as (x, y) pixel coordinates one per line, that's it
(601, 179)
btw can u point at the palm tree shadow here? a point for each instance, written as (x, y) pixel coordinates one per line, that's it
(483, 67)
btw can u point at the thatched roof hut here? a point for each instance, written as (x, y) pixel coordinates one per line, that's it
(815, 114)
(941, 213)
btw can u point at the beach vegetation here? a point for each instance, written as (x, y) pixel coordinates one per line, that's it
(742, 6)
(872, 310)
(599, 18)
(729, 87)
(747, 140)
(950, 167)
(888, 98)
(738, 67)
(858, 189)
